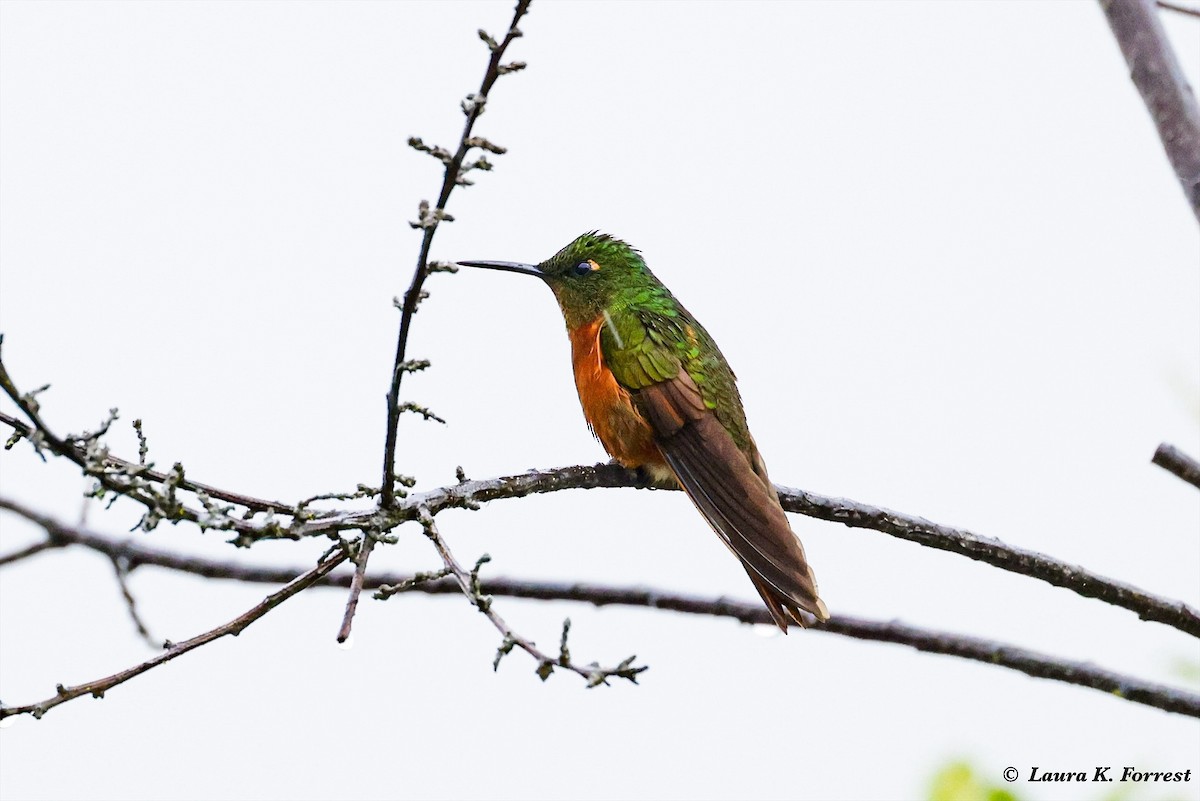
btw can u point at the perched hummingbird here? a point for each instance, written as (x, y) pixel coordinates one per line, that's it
(659, 396)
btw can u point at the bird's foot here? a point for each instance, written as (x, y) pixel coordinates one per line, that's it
(656, 477)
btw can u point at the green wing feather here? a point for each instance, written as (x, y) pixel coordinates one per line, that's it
(683, 387)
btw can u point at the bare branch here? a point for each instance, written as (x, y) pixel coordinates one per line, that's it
(965, 647)
(1031, 663)
(356, 586)
(991, 551)
(1164, 88)
(1173, 460)
(99, 687)
(121, 568)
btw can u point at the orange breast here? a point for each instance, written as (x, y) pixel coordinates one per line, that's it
(610, 413)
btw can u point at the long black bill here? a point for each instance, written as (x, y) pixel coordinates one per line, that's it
(508, 266)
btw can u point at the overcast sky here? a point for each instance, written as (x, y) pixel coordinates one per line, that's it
(939, 243)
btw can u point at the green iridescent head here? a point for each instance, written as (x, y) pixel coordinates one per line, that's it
(587, 275)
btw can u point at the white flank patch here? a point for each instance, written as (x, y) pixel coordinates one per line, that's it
(612, 327)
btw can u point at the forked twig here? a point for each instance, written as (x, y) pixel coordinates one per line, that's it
(469, 584)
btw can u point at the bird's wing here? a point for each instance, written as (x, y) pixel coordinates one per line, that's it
(649, 354)
(739, 504)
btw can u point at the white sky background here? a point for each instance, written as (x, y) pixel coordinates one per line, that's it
(939, 243)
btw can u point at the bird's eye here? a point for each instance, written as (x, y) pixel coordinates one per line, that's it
(583, 268)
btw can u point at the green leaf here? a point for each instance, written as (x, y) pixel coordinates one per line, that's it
(958, 781)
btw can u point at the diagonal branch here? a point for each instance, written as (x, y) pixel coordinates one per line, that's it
(31, 550)
(962, 646)
(121, 569)
(989, 550)
(356, 586)
(1156, 73)
(99, 687)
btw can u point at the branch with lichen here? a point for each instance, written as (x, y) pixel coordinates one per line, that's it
(446, 581)
(471, 494)
(161, 492)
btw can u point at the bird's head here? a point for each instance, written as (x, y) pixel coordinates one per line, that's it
(586, 276)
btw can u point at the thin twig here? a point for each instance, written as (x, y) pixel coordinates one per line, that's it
(1175, 461)
(28, 551)
(356, 586)
(469, 583)
(1164, 88)
(1178, 8)
(236, 626)
(430, 220)
(121, 568)
(965, 647)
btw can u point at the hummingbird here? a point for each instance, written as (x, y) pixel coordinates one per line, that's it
(659, 395)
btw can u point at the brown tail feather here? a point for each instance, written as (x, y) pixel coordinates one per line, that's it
(739, 504)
